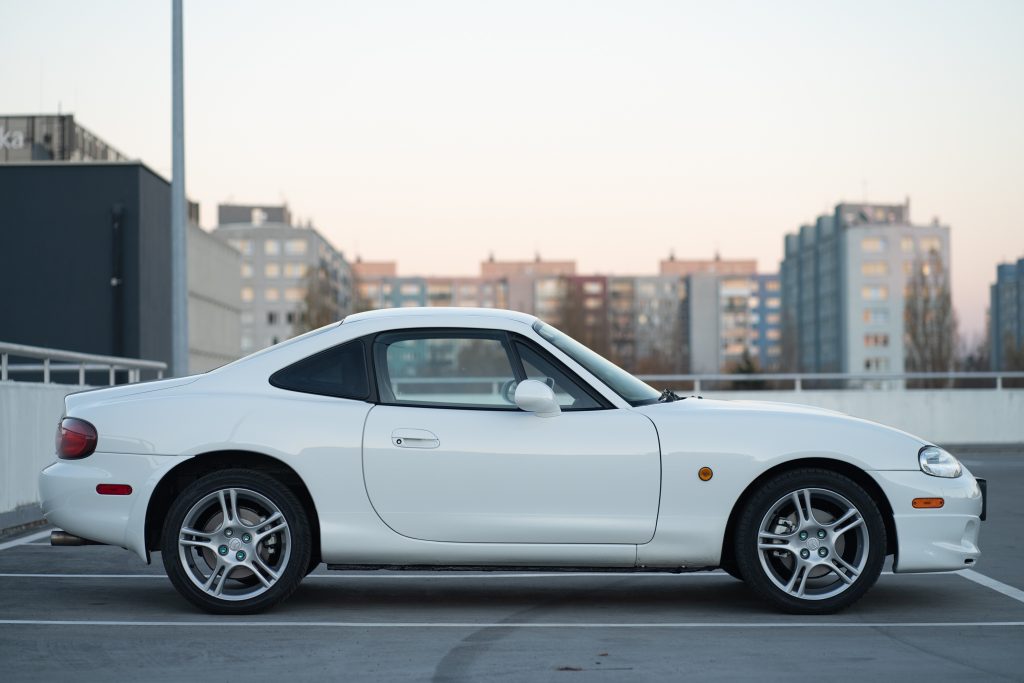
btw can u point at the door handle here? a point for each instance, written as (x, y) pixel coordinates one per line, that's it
(414, 438)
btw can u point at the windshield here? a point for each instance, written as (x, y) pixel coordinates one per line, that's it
(618, 380)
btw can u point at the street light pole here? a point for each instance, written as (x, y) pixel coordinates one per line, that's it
(179, 254)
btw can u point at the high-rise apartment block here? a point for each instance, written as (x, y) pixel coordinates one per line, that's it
(279, 261)
(731, 321)
(844, 285)
(1006, 317)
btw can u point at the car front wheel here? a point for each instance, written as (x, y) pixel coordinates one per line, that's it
(236, 542)
(810, 541)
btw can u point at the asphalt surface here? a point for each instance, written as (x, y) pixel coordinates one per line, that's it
(98, 613)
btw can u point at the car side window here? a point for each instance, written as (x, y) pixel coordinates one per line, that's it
(339, 371)
(570, 395)
(445, 369)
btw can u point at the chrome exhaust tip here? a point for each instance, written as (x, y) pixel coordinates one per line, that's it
(60, 537)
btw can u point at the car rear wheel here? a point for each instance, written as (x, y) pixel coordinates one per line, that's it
(236, 542)
(810, 541)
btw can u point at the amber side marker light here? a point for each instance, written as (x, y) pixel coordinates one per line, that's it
(114, 489)
(928, 503)
(705, 473)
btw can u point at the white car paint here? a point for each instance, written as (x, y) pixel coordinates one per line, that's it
(609, 488)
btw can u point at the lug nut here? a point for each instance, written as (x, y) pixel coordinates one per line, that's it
(223, 550)
(821, 533)
(246, 538)
(240, 555)
(803, 535)
(805, 553)
(822, 552)
(229, 532)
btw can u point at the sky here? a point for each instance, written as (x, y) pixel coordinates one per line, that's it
(437, 133)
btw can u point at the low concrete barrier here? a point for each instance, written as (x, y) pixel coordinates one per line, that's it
(942, 416)
(29, 413)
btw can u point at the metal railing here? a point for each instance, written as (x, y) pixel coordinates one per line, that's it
(59, 361)
(846, 380)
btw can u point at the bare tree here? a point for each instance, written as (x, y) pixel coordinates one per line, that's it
(320, 305)
(929, 322)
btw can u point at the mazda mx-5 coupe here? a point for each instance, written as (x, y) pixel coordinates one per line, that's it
(474, 438)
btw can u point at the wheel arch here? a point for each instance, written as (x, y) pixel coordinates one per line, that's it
(176, 479)
(862, 478)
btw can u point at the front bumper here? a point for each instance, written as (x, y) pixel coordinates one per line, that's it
(934, 540)
(70, 501)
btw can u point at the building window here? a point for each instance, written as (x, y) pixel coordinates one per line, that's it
(873, 245)
(295, 247)
(774, 302)
(295, 270)
(246, 343)
(593, 287)
(928, 244)
(271, 318)
(409, 289)
(876, 364)
(876, 340)
(876, 316)
(294, 294)
(772, 285)
(246, 318)
(247, 294)
(272, 247)
(874, 293)
(874, 269)
(907, 245)
(244, 246)
(246, 270)
(271, 294)
(272, 270)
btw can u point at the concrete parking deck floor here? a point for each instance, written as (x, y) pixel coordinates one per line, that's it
(97, 613)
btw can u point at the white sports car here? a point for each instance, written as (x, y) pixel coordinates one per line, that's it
(486, 439)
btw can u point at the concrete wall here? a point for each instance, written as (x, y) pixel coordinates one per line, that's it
(29, 413)
(942, 416)
(214, 301)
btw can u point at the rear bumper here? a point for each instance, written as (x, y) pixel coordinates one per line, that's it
(934, 540)
(70, 501)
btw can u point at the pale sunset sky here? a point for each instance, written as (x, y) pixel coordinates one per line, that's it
(434, 133)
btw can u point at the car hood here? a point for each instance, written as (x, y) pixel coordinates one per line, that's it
(778, 431)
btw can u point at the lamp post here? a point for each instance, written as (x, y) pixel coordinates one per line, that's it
(179, 255)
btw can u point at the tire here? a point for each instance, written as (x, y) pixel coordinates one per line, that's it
(830, 549)
(248, 564)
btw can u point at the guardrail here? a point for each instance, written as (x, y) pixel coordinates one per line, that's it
(72, 361)
(846, 380)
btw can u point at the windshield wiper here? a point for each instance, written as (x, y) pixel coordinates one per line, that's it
(668, 396)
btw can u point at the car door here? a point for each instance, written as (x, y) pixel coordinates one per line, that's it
(448, 456)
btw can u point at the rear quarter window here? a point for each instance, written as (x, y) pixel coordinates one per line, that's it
(339, 371)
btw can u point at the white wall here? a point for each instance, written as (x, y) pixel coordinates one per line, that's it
(29, 413)
(942, 416)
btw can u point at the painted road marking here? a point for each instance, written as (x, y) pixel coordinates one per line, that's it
(480, 625)
(450, 575)
(998, 586)
(27, 539)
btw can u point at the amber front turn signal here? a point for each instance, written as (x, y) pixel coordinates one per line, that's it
(928, 503)
(705, 473)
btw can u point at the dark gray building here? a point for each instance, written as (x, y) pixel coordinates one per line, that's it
(85, 265)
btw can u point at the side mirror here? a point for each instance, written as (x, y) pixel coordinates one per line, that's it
(537, 397)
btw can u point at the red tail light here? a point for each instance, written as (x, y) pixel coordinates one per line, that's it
(75, 438)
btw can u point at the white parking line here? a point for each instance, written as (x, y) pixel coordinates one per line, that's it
(479, 625)
(26, 539)
(998, 586)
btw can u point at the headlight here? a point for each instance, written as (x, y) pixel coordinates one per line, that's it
(938, 463)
